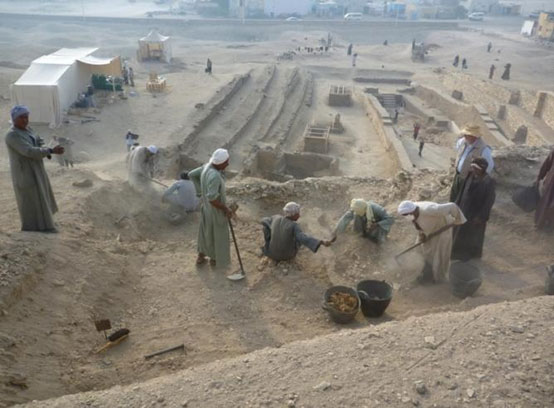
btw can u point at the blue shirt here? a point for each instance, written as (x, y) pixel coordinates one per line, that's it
(487, 155)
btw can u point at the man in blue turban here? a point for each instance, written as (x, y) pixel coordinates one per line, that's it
(33, 193)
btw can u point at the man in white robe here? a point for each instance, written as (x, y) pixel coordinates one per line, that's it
(428, 218)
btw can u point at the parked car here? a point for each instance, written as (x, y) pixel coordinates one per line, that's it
(477, 16)
(353, 16)
(293, 19)
(534, 15)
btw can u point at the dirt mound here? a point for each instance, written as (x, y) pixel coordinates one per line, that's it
(493, 356)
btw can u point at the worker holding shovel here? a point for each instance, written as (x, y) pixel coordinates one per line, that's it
(433, 222)
(213, 234)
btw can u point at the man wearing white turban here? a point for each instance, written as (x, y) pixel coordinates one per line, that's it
(213, 234)
(370, 220)
(428, 218)
(284, 237)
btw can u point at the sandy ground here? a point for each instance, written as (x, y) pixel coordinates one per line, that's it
(116, 257)
(494, 356)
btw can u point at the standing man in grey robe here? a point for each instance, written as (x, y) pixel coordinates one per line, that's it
(370, 220)
(469, 147)
(35, 200)
(213, 234)
(284, 237)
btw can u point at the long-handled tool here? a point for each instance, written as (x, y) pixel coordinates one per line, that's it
(158, 182)
(241, 275)
(430, 236)
(157, 353)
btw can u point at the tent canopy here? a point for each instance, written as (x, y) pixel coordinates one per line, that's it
(52, 82)
(154, 36)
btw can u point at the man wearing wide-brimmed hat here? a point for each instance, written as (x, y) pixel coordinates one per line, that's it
(470, 146)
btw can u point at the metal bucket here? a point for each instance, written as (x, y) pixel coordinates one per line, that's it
(465, 279)
(375, 297)
(336, 315)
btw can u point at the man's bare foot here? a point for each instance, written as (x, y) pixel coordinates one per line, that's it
(212, 262)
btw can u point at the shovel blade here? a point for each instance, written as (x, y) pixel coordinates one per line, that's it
(236, 276)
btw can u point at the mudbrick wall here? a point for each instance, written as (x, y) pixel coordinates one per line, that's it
(382, 123)
(462, 113)
(492, 95)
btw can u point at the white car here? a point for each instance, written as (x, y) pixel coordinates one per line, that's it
(353, 16)
(477, 16)
(293, 19)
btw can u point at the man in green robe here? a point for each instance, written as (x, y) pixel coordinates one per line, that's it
(213, 235)
(370, 220)
(35, 200)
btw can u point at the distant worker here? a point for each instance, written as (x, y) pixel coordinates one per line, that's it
(491, 71)
(130, 139)
(395, 119)
(283, 236)
(370, 221)
(349, 50)
(506, 74)
(544, 215)
(469, 146)
(141, 166)
(475, 200)
(489, 47)
(132, 77)
(354, 57)
(53, 143)
(67, 156)
(456, 61)
(208, 69)
(33, 193)
(464, 63)
(413, 44)
(213, 233)
(429, 218)
(417, 127)
(386, 42)
(182, 199)
(125, 75)
(421, 145)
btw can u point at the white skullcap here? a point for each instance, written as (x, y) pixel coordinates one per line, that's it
(291, 209)
(406, 207)
(152, 149)
(220, 156)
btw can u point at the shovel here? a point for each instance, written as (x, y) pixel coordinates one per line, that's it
(432, 235)
(241, 275)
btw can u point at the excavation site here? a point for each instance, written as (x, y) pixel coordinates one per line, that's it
(409, 183)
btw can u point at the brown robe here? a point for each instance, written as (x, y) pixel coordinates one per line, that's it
(544, 216)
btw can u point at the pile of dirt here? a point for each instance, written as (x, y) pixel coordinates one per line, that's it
(494, 356)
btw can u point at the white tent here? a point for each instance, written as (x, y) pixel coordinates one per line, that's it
(154, 46)
(528, 28)
(52, 82)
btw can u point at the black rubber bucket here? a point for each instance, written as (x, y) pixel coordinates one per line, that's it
(336, 315)
(375, 297)
(464, 278)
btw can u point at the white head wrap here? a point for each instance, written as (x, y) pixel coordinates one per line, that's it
(406, 207)
(220, 156)
(362, 207)
(152, 149)
(291, 209)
